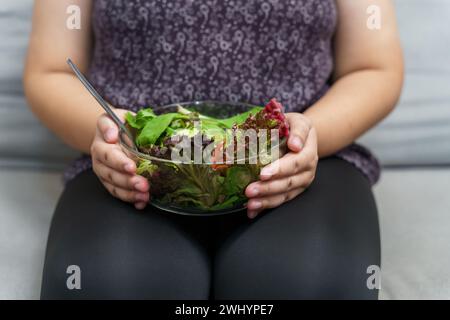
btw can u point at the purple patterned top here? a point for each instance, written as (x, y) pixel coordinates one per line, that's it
(157, 52)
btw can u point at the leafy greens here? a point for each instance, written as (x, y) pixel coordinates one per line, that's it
(201, 186)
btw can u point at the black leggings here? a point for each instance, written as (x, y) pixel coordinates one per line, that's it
(318, 245)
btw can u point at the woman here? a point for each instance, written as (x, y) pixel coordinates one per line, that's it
(311, 229)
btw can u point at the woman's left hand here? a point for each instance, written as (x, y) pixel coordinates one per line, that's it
(289, 176)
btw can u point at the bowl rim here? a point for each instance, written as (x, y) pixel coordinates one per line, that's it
(198, 102)
(135, 152)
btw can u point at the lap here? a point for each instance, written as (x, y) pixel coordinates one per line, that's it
(318, 245)
(122, 253)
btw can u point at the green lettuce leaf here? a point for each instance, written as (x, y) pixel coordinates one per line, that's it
(146, 168)
(239, 118)
(153, 129)
(139, 120)
(238, 178)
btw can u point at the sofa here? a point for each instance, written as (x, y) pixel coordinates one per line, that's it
(413, 145)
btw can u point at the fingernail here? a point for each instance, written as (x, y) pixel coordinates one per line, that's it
(110, 134)
(297, 142)
(267, 172)
(141, 197)
(255, 205)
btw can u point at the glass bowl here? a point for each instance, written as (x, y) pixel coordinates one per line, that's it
(189, 188)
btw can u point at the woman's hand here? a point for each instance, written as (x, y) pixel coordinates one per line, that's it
(289, 176)
(115, 170)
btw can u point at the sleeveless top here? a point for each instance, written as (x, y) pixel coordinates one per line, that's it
(157, 52)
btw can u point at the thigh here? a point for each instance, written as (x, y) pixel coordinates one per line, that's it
(317, 246)
(122, 253)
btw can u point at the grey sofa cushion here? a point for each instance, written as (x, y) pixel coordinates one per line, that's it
(414, 208)
(23, 140)
(27, 201)
(418, 131)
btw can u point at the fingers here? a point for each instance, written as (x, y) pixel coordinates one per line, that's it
(283, 167)
(255, 206)
(289, 165)
(113, 157)
(128, 188)
(293, 163)
(139, 199)
(116, 171)
(272, 187)
(284, 179)
(300, 127)
(119, 179)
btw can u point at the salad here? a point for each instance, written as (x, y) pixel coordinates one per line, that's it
(197, 162)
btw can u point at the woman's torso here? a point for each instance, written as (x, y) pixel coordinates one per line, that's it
(152, 52)
(157, 52)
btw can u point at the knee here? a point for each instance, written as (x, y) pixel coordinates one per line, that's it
(274, 277)
(101, 277)
(140, 272)
(308, 267)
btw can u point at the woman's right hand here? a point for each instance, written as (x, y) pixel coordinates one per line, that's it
(115, 170)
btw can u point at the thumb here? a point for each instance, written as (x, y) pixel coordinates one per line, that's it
(299, 131)
(108, 129)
